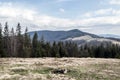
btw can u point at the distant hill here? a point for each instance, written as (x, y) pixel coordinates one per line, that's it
(74, 35)
(60, 35)
(109, 36)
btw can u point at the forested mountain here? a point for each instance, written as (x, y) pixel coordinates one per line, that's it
(75, 35)
(60, 35)
(73, 43)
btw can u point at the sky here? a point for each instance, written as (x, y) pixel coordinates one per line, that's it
(93, 16)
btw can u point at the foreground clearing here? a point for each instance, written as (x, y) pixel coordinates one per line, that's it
(42, 69)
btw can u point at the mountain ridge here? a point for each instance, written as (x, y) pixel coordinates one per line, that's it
(60, 35)
(73, 35)
(109, 36)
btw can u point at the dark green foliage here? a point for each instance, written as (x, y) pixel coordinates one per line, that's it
(21, 45)
(102, 51)
(55, 50)
(27, 44)
(35, 46)
(47, 49)
(6, 40)
(20, 42)
(2, 54)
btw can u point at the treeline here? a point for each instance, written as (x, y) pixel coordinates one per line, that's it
(107, 50)
(15, 44)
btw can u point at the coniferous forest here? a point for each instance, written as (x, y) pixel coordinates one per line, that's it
(14, 43)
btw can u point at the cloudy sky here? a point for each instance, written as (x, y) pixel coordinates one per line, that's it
(94, 16)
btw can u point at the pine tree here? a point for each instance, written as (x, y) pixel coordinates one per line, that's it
(42, 47)
(35, 46)
(62, 50)
(19, 41)
(12, 43)
(27, 44)
(6, 40)
(18, 30)
(55, 50)
(48, 49)
(2, 54)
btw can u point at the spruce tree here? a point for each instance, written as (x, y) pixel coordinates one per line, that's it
(55, 50)
(48, 49)
(42, 47)
(6, 40)
(19, 41)
(12, 43)
(27, 44)
(35, 46)
(2, 54)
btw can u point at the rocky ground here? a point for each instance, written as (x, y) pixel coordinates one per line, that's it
(59, 69)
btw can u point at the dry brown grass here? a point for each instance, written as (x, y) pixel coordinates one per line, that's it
(41, 69)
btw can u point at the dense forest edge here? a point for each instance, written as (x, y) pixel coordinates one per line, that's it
(15, 44)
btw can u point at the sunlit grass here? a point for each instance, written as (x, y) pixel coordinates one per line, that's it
(42, 69)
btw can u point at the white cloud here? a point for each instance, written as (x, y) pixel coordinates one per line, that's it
(103, 12)
(88, 14)
(13, 14)
(36, 21)
(114, 2)
(31, 18)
